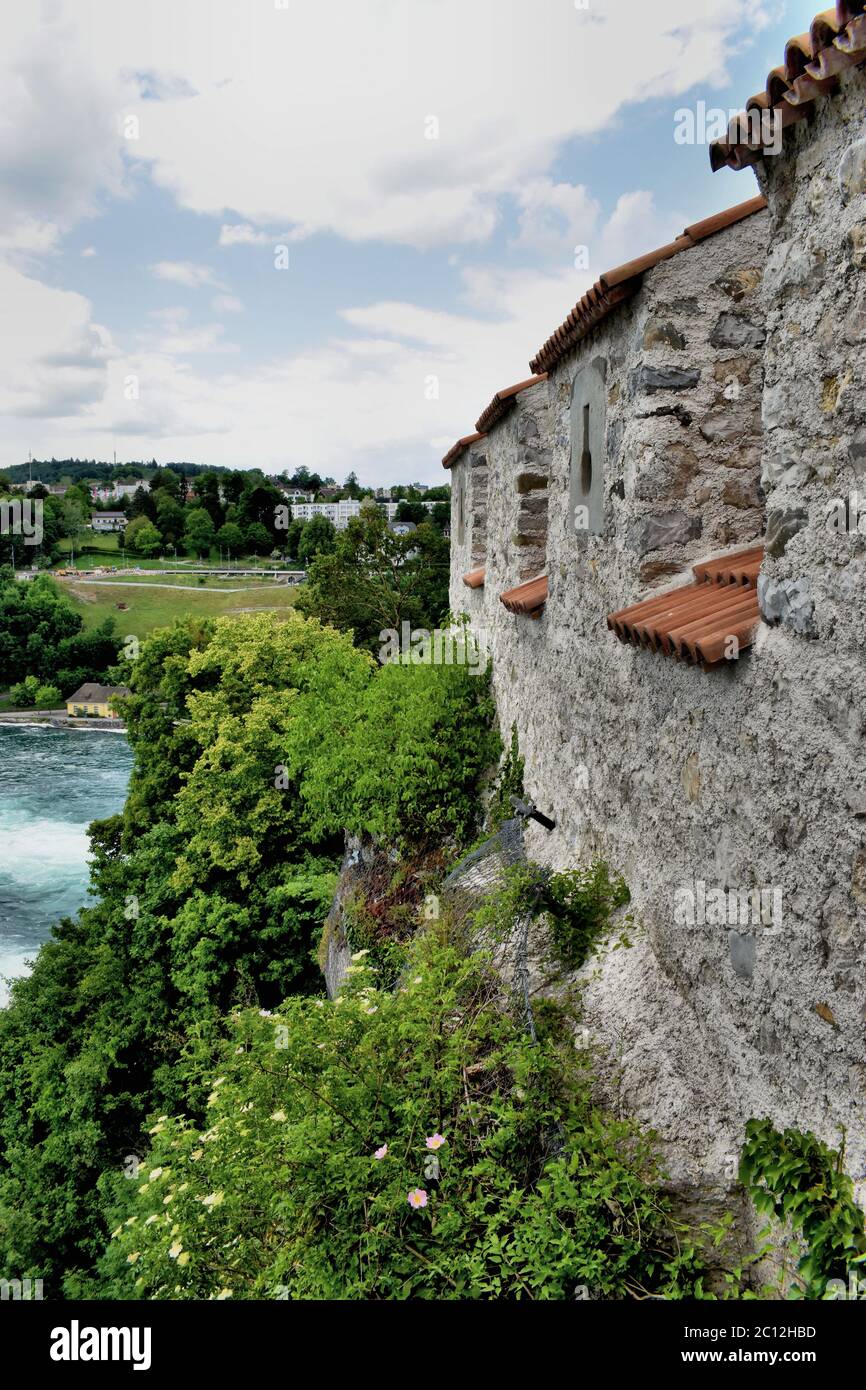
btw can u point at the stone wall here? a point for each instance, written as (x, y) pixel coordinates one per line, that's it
(508, 524)
(747, 776)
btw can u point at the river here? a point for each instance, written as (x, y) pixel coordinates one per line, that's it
(53, 783)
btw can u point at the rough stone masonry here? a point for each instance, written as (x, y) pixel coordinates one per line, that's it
(720, 403)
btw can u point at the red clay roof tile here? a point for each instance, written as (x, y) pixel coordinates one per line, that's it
(836, 40)
(457, 450)
(741, 568)
(474, 579)
(503, 401)
(697, 621)
(527, 599)
(694, 623)
(618, 285)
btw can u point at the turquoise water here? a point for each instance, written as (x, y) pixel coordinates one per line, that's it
(53, 783)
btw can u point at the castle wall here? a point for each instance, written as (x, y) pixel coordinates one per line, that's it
(748, 776)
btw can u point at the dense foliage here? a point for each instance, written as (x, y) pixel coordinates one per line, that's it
(374, 580)
(576, 906)
(210, 893)
(42, 636)
(393, 1145)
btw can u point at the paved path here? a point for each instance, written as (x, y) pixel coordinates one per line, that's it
(187, 588)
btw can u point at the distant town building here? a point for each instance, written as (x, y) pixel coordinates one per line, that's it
(110, 492)
(94, 700)
(340, 513)
(109, 521)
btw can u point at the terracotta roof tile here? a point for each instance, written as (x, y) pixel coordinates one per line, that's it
(618, 285)
(741, 568)
(457, 450)
(697, 621)
(527, 599)
(836, 40)
(474, 579)
(503, 401)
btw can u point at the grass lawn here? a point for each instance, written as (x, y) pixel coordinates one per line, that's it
(157, 607)
(104, 550)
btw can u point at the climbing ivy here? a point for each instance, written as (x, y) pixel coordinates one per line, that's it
(508, 783)
(797, 1179)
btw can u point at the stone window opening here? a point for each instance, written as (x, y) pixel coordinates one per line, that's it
(586, 482)
(586, 456)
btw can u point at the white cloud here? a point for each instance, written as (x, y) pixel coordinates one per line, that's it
(56, 362)
(172, 316)
(226, 304)
(195, 341)
(242, 234)
(186, 273)
(359, 401)
(316, 117)
(89, 251)
(59, 146)
(555, 217)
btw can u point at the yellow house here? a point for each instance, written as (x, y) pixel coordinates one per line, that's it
(95, 700)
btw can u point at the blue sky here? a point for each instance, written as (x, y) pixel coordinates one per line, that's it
(429, 170)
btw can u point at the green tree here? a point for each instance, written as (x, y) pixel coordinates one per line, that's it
(293, 537)
(208, 490)
(47, 697)
(72, 518)
(231, 539)
(24, 692)
(165, 480)
(412, 511)
(319, 537)
(144, 503)
(198, 534)
(41, 635)
(142, 537)
(170, 518)
(258, 538)
(375, 580)
(409, 1144)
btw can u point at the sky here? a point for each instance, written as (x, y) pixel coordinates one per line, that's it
(273, 233)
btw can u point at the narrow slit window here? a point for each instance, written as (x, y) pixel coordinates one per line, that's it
(586, 487)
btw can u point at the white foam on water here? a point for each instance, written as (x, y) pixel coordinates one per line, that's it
(33, 852)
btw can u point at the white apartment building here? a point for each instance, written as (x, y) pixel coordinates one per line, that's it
(107, 492)
(109, 521)
(340, 513)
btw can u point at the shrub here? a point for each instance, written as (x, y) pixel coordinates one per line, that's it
(396, 1145)
(47, 697)
(576, 905)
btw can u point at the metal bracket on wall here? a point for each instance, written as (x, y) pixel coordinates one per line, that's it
(528, 810)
